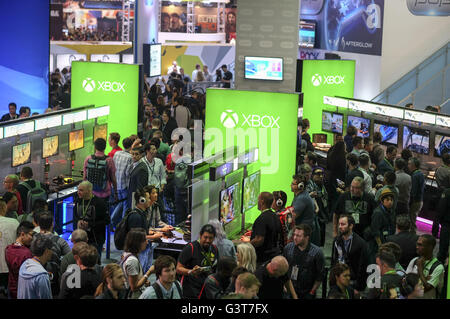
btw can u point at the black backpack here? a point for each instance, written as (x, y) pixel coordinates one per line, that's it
(180, 175)
(96, 172)
(34, 193)
(121, 231)
(159, 293)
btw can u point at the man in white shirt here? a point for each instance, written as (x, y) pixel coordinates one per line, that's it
(429, 269)
(208, 76)
(8, 228)
(194, 73)
(173, 68)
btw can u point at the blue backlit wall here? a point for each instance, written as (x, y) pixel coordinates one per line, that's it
(24, 54)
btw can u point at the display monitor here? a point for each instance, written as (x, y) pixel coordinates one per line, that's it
(152, 59)
(76, 140)
(362, 125)
(251, 191)
(332, 122)
(441, 144)
(306, 34)
(229, 203)
(263, 68)
(389, 132)
(21, 154)
(100, 131)
(416, 140)
(50, 146)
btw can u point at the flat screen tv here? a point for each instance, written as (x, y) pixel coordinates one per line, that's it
(100, 131)
(389, 132)
(332, 122)
(21, 154)
(362, 125)
(228, 203)
(263, 68)
(251, 191)
(416, 140)
(76, 140)
(306, 34)
(441, 144)
(50, 146)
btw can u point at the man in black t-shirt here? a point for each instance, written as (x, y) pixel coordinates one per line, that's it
(266, 232)
(12, 115)
(227, 77)
(273, 276)
(197, 261)
(26, 177)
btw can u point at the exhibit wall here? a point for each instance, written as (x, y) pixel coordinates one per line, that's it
(249, 119)
(410, 40)
(24, 56)
(110, 84)
(147, 25)
(188, 56)
(270, 29)
(325, 77)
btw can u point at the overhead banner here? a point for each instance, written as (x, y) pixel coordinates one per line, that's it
(325, 78)
(110, 84)
(347, 26)
(249, 119)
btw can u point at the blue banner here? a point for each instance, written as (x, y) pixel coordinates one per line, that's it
(346, 25)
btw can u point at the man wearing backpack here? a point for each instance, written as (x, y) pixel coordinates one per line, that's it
(167, 286)
(30, 189)
(100, 170)
(429, 269)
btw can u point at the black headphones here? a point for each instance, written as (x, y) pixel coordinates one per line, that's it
(301, 186)
(279, 201)
(142, 200)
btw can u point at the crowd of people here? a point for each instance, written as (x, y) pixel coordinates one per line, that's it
(87, 34)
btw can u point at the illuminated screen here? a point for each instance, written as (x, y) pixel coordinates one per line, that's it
(388, 132)
(50, 146)
(362, 125)
(76, 140)
(21, 154)
(415, 140)
(332, 122)
(251, 191)
(307, 34)
(228, 203)
(441, 145)
(100, 131)
(258, 68)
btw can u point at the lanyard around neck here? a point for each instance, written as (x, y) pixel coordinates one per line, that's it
(87, 207)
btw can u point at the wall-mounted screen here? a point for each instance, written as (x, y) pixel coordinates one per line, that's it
(388, 132)
(441, 144)
(251, 191)
(100, 131)
(362, 125)
(260, 68)
(50, 146)
(112, 58)
(155, 60)
(76, 140)
(416, 140)
(307, 34)
(332, 122)
(229, 203)
(21, 154)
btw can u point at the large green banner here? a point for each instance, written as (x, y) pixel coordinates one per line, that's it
(112, 84)
(255, 119)
(325, 78)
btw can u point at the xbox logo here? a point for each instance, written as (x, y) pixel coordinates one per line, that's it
(229, 118)
(316, 79)
(89, 85)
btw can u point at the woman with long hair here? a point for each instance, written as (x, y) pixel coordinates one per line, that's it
(340, 281)
(246, 256)
(224, 245)
(113, 283)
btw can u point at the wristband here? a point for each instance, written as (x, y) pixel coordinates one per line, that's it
(146, 276)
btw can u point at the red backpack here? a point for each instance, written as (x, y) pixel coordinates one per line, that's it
(287, 224)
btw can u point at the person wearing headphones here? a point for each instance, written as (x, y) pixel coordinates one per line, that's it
(285, 214)
(302, 203)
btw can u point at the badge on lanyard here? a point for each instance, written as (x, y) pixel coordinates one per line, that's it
(356, 218)
(294, 273)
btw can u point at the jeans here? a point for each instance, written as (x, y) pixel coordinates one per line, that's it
(119, 209)
(414, 211)
(146, 257)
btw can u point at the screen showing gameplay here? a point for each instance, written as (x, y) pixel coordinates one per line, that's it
(100, 131)
(76, 140)
(251, 191)
(259, 68)
(306, 34)
(228, 203)
(50, 146)
(388, 132)
(21, 154)
(332, 122)
(441, 144)
(416, 140)
(362, 125)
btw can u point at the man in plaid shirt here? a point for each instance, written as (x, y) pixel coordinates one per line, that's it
(123, 162)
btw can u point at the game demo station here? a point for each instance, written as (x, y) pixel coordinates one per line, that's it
(425, 134)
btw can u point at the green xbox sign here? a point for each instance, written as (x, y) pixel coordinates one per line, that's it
(320, 78)
(250, 119)
(112, 84)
